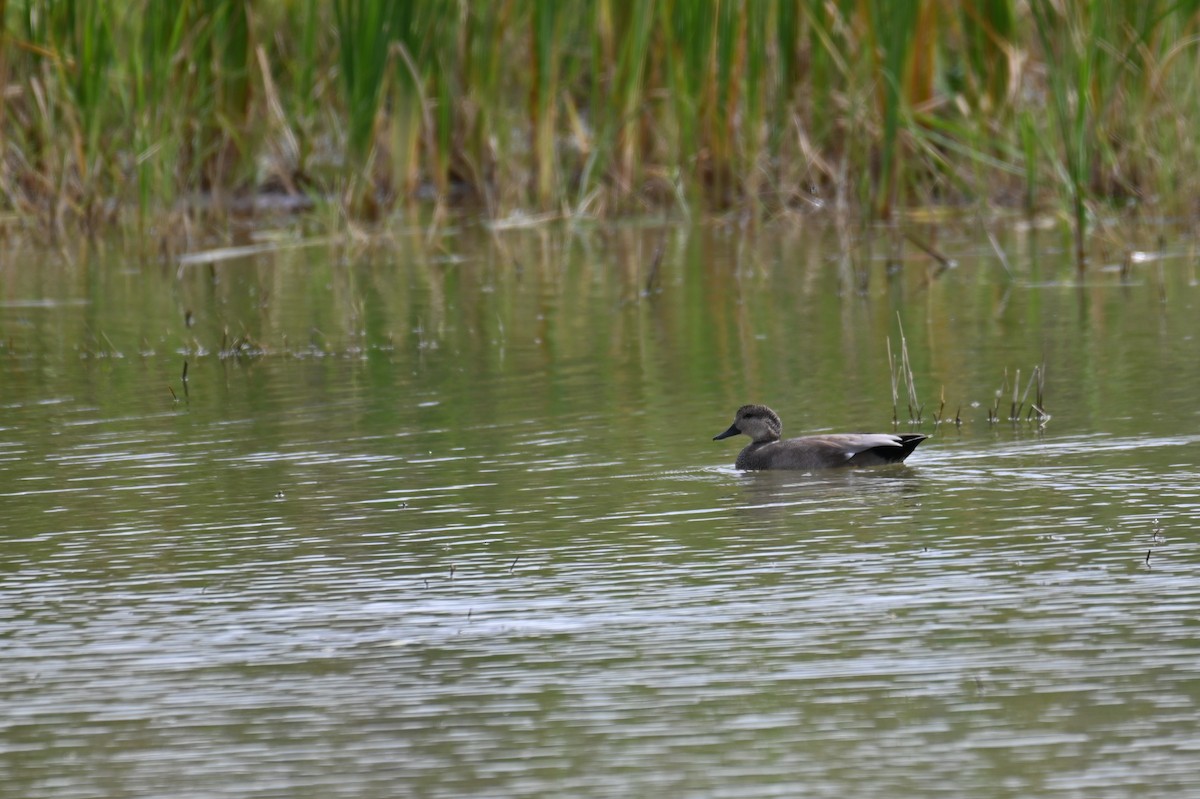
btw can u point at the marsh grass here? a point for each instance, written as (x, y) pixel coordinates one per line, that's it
(111, 111)
(1035, 411)
(902, 374)
(1021, 409)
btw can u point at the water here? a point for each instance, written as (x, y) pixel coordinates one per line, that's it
(449, 521)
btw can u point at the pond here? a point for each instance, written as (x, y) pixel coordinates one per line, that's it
(443, 516)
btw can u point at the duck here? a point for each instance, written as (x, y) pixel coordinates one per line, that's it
(768, 450)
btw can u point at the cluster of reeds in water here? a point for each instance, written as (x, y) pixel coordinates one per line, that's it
(1023, 408)
(596, 107)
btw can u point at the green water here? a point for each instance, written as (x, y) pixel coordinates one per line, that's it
(444, 518)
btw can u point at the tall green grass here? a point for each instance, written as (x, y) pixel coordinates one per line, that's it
(598, 107)
(157, 35)
(1067, 36)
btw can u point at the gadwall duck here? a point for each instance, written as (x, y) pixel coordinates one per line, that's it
(767, 451)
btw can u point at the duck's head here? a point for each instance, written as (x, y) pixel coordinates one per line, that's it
(757, 421)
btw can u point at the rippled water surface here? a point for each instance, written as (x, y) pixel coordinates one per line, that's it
(448, 520)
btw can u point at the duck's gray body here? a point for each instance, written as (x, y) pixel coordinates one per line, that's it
(768, 450)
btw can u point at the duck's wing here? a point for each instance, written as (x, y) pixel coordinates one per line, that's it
(877, 449)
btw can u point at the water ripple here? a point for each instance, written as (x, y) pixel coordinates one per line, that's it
(194, 614)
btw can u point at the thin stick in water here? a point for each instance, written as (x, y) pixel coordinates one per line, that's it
(915, 407)
(1014, 412)
(895, 376)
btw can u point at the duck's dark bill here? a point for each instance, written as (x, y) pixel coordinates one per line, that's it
(732, 431)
